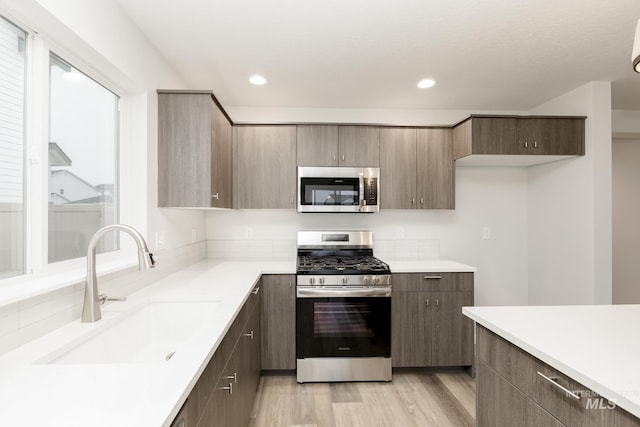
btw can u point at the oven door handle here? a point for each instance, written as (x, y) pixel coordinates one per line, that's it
(310, 292)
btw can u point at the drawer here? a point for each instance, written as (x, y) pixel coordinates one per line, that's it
(563, 397)
(438, 282)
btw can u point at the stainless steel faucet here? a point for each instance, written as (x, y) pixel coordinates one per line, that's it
(91, 306)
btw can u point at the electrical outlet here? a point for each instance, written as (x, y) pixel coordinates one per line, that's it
(160, 240)
(486, 232)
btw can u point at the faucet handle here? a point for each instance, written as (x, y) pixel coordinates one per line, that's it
(104, 298)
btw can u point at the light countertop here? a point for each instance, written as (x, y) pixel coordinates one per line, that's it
(597, 345)
(429, 266)
(33, 392)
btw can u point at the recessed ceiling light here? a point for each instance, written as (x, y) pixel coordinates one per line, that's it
(426, 83)
(257, 80)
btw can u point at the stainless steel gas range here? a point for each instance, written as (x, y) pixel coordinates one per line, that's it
(343, 308)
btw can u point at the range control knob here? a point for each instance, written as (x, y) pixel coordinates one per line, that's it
(376, 280)
(367, 280)
(312, 280)
(345, 279)
(321, 280)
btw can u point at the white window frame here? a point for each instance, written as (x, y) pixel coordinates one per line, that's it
(40, 276)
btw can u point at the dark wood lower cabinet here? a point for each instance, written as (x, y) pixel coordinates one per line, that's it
(225, 392)
(428, 327)
(278, 324)
(510, 391)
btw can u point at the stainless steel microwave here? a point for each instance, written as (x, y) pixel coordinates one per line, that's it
(338, 189)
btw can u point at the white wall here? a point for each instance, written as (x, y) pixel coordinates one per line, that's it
(626, 211)
(570, 209)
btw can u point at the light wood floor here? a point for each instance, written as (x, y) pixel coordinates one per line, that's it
(411, 399)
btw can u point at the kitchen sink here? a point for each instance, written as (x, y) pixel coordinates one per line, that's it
(152, 333)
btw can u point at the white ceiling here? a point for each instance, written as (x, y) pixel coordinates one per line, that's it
(484, 54)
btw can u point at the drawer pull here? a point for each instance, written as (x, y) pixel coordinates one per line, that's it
(554, 381)
(250, 335)
(255, 291)
(229, 388)
(432, 277)
(233, 377)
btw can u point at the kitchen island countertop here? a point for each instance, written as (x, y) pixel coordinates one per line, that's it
(596, 345)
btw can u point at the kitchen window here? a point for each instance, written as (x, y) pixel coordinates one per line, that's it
(59, 159)
(12, 149)
(83, 141)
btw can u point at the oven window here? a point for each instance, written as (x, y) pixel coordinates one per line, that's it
(330, 191)
(341, 319)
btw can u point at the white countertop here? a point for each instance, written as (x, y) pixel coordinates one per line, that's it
(33, 393)
(136, 395)
(429, 266)
(598, 345)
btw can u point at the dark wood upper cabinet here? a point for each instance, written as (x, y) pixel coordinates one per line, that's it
(266, 167)
(330, 145)
(416, 168)
(494, 135)
(194, 151)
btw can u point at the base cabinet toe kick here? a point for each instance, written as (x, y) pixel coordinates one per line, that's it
(515, 388)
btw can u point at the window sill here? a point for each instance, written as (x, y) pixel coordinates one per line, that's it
(30, 285)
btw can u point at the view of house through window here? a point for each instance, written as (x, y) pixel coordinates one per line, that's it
(12, 193)
(83, 143)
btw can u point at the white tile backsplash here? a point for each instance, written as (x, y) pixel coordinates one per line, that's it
(282, 250)
(33, 317)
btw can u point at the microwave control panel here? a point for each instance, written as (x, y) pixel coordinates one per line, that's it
(371, 191)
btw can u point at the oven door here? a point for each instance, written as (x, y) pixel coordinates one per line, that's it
(343, 322)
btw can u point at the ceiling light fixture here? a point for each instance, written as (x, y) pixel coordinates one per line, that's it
(257, 80)
(635, 54)
(426, 83)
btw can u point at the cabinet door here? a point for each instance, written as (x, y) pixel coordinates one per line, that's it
(278, 322)
(359, 146)
(452, 343)
(266, 167)
(495, 135)
(184, 150)
(410, 329)
(397, 168)
(317, 145)
(222, 161)
(563, 137)
(435, 169)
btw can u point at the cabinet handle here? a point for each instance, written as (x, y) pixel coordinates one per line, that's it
(229, 388)
(526, 144)
(250, 335)
(432, 277)
(255, 291)
(413, 200)
(343, 157)
(427, 302)
(233, 377)
(535, 144)
(437, 302)
(421, 200)
(554, 381)
(290, 283)
(334, 157)
(215, 196)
